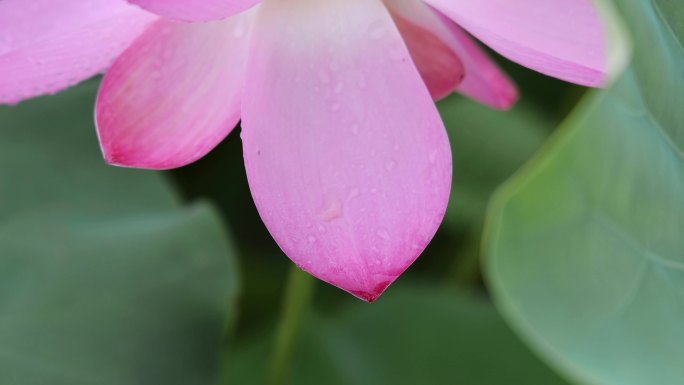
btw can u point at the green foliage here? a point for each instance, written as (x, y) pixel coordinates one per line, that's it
(415, 336)
(104, 277)
(107, 278)
(488, 146)
(585, 251)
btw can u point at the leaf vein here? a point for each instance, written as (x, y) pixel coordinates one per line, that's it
(603, 220)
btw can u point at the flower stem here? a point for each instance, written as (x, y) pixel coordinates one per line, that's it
(296, 303)
(466, 270)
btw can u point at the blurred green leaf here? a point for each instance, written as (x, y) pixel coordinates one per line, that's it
(488, 147)
(586, 248)
(220, 176)
(104, 278)
(418, 336)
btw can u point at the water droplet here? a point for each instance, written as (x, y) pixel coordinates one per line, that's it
(383, 234)
(390, 165)
(433, 156)
(332, 210)
(353, 193)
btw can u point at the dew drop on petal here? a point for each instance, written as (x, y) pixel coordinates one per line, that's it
(332, 210)
(390, 165)
(353, 193)
(433, 156)
(383, 234)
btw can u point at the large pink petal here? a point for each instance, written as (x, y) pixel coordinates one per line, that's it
(49, 45)
(174, 94)
(347, 158)
(482, 81)
(560, 38)
(195, 10)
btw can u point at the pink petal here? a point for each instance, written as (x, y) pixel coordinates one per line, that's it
(560, 38)
(49, 45)
(483, 80)
(195, 10)
(174, 94)
(439, 66)
(347, 158)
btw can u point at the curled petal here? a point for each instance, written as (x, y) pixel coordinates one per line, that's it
(195, 10)
(439, 65)
(49, 45)
(347, 158)
(482, 80)
(560, 38)
(174, 94)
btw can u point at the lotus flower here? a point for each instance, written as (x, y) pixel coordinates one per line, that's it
(347, 158)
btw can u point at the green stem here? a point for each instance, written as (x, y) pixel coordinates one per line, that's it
(296, 303)
(465, 270)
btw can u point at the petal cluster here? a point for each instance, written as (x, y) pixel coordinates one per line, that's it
(346, 155)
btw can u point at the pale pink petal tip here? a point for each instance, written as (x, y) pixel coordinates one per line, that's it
(505, 95)
(158, 116)
(194, 10)
(350, 169)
